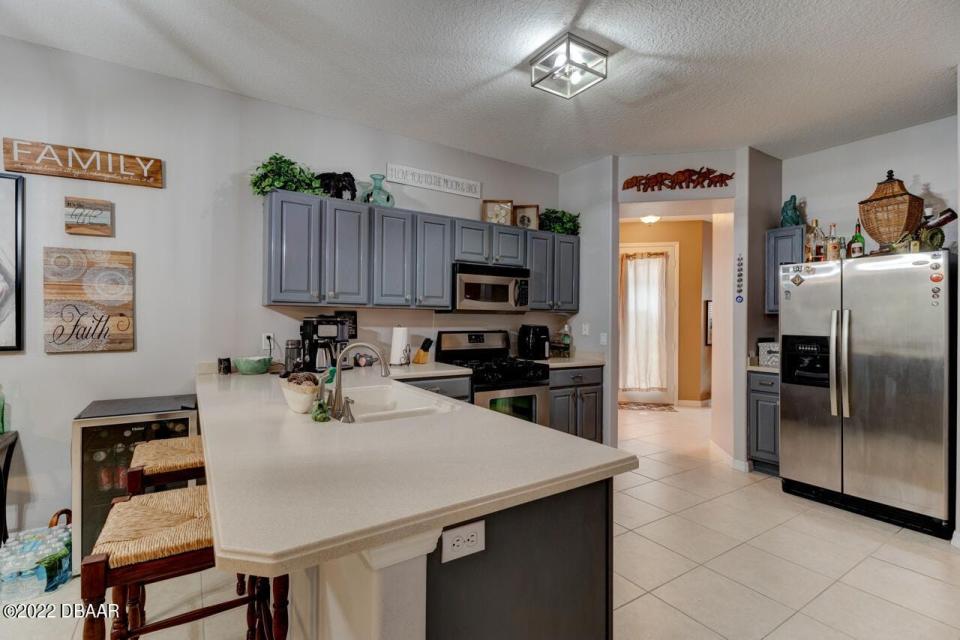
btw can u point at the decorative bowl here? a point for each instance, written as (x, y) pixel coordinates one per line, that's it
(300, 398)
(251, 365)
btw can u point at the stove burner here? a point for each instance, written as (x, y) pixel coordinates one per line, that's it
(505, 370)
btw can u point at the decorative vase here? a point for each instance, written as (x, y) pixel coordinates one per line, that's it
(376, 194)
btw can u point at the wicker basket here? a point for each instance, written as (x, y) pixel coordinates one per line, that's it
(890, 211)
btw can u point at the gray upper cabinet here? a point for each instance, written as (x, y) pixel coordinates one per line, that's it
(393, 257)
(291, 248)
(784, 246)
(509, 245)
(540, 263)
(434, 254)
(566, 276)
(346, 252)
(471, 240)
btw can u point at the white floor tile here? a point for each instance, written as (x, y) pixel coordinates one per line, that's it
(627, 480)
(786, 582)
(649, 618)
(688, 538)
(801, 627)
(624, 591)
(664, 496)
(632, 513)
(927, 555)
(823, 556)
(645, 563)
(738, 523)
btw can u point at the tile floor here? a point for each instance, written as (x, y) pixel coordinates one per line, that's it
(701, 551)
(704, 551)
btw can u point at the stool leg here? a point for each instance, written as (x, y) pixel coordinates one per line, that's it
(281, 587)
(241, 584)
(265, 622)
(135, 607)
(120, 627)
(143, 603)
(252, 608)
(93, 591)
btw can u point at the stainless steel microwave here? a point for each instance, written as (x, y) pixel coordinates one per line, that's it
(480, 287)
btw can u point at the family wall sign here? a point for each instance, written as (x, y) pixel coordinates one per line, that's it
(30, 156)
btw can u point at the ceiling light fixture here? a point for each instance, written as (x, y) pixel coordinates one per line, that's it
(567, 66)
(650, 219)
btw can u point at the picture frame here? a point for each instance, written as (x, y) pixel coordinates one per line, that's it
(708, 323)
(12, 206)
(88, 217)
(526, 216)
(497, 211)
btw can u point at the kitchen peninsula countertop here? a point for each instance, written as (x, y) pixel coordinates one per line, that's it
(585, 360)
(289, 493)
(428, 370)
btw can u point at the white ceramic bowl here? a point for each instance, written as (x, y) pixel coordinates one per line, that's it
(300, 398)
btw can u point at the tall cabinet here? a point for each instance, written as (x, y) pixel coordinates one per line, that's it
(784, 246)
(554, 263)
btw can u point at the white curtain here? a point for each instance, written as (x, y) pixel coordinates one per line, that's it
(643, 322)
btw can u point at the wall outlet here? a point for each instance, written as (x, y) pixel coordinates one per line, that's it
(463, 541)
(603, 339)
(265, 341)
(585, 329)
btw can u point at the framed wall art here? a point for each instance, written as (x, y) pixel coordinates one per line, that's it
(88, 217)
(498, 211)
(87, 300)
(526, 216)
(708, 323)
(12, 204)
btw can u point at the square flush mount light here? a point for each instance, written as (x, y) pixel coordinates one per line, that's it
(567, 66)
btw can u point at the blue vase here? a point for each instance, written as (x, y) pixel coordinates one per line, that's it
(376, 194)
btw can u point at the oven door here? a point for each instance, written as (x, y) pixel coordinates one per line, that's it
(478, 292)
(527, 403)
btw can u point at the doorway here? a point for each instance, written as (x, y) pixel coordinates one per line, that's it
(649, 322)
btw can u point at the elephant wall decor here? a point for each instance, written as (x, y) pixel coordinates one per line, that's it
(702, 178)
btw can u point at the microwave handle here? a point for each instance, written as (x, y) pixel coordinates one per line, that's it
(516, 289)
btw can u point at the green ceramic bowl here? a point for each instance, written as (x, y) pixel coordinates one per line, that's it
(251, 365)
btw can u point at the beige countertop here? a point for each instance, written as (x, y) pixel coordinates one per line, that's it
(577, 360)
(760, 369)
(428, 370)
(289, 493)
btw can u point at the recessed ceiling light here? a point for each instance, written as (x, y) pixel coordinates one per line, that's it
(567, 66)
(650, 219)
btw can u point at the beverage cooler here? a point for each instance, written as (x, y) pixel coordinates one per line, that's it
(105, 435)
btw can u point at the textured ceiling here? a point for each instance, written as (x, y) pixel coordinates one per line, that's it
(786, 76)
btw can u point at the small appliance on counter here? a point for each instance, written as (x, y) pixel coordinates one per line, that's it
(768, 352)
(533, 342)
(322, 338)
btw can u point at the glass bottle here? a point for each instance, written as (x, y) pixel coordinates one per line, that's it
(376, 194)
(855, 248)
(817, 242)
(833, 244)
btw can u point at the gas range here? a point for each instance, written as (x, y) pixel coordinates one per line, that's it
(499, 381)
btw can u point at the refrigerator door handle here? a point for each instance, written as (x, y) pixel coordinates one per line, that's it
(833, 361)
(845, 362)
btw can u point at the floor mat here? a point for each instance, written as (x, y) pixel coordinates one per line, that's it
(647, 406)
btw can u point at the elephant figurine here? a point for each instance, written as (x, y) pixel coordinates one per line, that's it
(682, 179)
(700, 180)
(336, 183)
(720, 180)
(657, 181)
(790, 213)
(632, 183)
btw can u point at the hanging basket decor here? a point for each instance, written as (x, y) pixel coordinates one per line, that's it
(891, 211)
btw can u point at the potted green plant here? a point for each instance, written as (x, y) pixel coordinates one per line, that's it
(280, 172)
(560, 221)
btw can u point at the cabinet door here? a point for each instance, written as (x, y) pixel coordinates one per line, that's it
(434, 262)
(540, 263)
(471, 241)
(292, 248)
(346, 249)
(509, 246)
(765, 427)
(563, 410)
(393, 259)
(566, 273)
(784, 246)
(590, 412)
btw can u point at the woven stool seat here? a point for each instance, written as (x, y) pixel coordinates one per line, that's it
(156, 525)
(169, 454)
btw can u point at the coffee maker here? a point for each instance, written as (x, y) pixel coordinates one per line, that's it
(322, 339)
(533, 342)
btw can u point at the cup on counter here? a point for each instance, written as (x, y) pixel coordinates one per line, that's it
(224, 366)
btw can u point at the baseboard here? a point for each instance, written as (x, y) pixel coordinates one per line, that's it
(956, 539)
(693, 403)
(739, 465)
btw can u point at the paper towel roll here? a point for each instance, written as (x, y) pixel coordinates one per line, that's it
(399, 344)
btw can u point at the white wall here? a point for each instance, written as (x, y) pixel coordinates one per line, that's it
(834, 180)
(591, 190)
(721, 378)
(197, 242)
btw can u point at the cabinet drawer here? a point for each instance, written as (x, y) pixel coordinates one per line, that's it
(764, 382)
(575, 377)
(458, 388)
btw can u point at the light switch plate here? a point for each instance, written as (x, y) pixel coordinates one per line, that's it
(463, 541)
(585, 328)
(603, 339)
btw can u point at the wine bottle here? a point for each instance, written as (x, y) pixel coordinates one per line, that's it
(855, 247)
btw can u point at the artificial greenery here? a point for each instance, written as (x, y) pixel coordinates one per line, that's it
(560, 221)
(280, 172)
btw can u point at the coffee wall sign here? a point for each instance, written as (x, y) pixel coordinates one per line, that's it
(30, 156)
(87, 216)
(87, 300)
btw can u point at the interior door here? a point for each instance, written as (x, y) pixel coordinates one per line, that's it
(895, 426)
(810, 426)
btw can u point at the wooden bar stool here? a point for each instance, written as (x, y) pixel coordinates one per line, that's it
(157, 462)
(157, 536)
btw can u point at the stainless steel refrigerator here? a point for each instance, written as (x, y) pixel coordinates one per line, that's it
(867, 394)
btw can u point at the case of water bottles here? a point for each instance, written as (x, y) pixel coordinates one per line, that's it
(35, 561)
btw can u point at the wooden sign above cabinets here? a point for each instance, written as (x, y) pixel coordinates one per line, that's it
(29, 156)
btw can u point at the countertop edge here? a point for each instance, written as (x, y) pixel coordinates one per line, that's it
(237, 561)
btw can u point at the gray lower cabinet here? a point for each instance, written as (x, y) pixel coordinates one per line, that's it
(540, 263)
(509, 245)
(784, 246)
(434, 251)
(471, 241)
(393, 257)
(763, 414)
(577, 409)
(554, 263)
(291, 248)
(346, 253)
